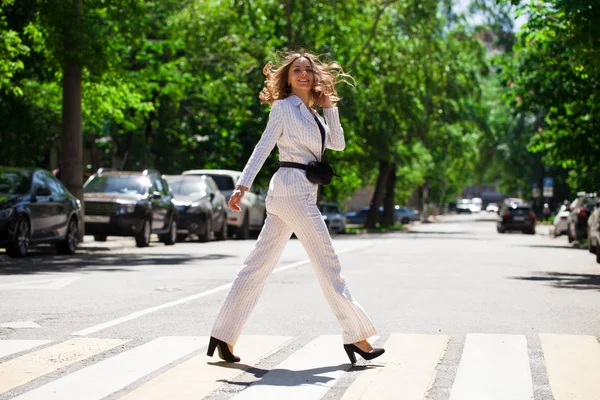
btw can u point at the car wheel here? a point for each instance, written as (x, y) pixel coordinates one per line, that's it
(598, 254)
(243, 232)
(100, 238)
(170, 238)
(569, 237)
(142, 239)
(530, 232)
(19, 242)
(499, 230)
(222, 234)
(69, 245)
(205, 236)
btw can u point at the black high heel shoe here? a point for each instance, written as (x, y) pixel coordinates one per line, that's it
(223, 349)
(367, 355)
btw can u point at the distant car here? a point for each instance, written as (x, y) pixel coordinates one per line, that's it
(36, 208)
(333, 216)
(464, 206)
(402, 215)
(581, 208)
(121, 203)
(405, 215)
(516, 218)
(492, 207)
(593, 227)
(358, 217)
(561, 220)
(201, 207)
(253, 215)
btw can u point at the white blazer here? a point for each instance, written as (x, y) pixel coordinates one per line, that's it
(293, 128)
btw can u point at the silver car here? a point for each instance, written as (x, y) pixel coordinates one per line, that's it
(594, 232)
(252, 217)
(333, 216)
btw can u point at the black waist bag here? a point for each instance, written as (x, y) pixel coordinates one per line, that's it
(316, 172)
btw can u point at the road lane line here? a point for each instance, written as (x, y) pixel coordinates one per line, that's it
(199, 377)
(573, 365)
(8, 347)
(113, 374)
(141, 313)
(493, 367)
(405, 371)
(28, 367)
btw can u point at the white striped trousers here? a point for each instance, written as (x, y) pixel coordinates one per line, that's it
(287, 215)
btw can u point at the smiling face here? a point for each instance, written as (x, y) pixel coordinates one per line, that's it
(301, 76)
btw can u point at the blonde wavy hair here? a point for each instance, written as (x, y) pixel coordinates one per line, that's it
(326, 77)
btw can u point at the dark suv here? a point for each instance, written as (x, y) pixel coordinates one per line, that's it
(119, 203)
(516, 218)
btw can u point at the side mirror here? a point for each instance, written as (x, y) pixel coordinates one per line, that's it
(212, 196)
(156, 195)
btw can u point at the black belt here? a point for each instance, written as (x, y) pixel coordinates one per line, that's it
(287, 164)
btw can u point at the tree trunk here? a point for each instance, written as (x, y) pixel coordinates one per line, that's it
(425, 203)
(373, 215)
(387, 220)
(71, 155)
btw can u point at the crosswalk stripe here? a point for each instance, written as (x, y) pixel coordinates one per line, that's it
(407, 372)
(307, 374)
(106, 377)
(573, 365)
(9, 347)
(493, 367)
(28, 367)
(199, 376)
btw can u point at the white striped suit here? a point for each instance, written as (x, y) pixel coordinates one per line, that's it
(291, 208)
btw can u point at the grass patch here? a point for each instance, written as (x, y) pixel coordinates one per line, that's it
(379, 229)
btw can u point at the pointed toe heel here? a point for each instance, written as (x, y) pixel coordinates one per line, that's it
(224, 353)
(367, 355)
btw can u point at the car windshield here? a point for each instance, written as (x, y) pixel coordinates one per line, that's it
(125, 184)
(15, 182)
(328, 209)
(519, 211)
(188, 187)
(224, 182)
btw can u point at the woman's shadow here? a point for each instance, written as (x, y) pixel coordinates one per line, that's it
(287, 377)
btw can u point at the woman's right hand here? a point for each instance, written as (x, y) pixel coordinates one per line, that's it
(236, 197)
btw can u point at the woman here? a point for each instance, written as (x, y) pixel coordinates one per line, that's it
(299, 84)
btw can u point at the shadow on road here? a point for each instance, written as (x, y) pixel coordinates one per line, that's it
(286, 377)
(565, 280)
(547, 246)
(99, 262)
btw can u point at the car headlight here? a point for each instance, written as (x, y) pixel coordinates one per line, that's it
(4, 214)
(123, 209)
(194, 208)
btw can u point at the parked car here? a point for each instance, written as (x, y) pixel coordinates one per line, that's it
(121, 203)
(253, 215)
(593, 232)
(36, 208)
(561, 220)
(516, 218)
(580, 210)
(402, 215)
(492, 207)
(464, 206)
(202, 209)
(333, 216)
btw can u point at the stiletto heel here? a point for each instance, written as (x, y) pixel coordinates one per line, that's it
(367, 355)
(224, 352)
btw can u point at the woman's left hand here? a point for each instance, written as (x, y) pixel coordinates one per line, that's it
(324, 101)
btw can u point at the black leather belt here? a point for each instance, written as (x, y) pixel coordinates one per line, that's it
(287, 164)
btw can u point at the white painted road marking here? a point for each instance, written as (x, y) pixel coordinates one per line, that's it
(19, 325)
(573, 365)
(305, 375)
(100, 380)
(44, 284)
(141, 313)
(8, 347)
(493, 367)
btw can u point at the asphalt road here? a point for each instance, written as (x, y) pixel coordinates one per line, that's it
(449, 279)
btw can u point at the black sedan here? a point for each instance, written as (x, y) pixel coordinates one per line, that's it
(516, 218)
(201, 206)
(35, 208)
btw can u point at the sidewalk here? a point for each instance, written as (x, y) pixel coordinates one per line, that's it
(111, 243)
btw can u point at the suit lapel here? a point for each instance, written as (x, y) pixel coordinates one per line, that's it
(303, 109)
